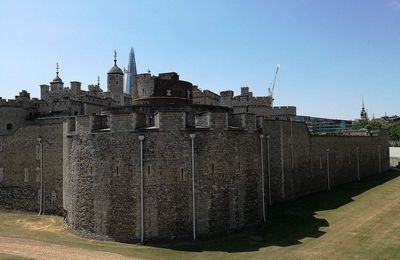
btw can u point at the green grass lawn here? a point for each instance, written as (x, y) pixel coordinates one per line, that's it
(356, 220)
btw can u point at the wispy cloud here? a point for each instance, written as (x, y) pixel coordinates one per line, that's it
(395, 4)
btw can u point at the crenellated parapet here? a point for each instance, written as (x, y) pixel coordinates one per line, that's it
(163, 121)
(136, 169)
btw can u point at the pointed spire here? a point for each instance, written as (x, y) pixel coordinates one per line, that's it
(98, 81)
(57, 69)
(115, 57)
(131, 72)
(363, 114)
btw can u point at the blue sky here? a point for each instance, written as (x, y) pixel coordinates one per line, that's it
(331, 52)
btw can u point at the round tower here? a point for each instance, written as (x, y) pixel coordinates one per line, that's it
(115, 82)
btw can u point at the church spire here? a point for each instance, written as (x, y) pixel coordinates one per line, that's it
(115, 57)
(363, 114)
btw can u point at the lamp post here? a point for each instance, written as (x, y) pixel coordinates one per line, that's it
(193, 195)
(141, 138)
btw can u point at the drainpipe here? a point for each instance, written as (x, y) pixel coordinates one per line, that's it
(379, 158)
(262, 176)
(40, 157)
(358, 163)
(282, 166)
(193, 197)
(327, 168)
(44, 197)
(291, 142)
(141, 138)
(269, 173)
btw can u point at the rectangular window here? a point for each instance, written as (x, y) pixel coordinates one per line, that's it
(182, 176)
(115, 170)
(212, 169)
(26, 175)
(148, 170)
(1, 174)
(53, 197)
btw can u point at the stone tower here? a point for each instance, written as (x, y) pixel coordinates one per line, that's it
(115, 82)
(57, 84)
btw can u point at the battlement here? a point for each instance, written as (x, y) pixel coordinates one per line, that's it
(227, 93)
(143, 76)
(169, 75)
(162, 121)
(9, 102)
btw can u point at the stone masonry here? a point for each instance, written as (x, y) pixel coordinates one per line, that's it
(102, 171)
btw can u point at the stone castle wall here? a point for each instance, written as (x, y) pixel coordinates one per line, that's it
(11, 118)
(102, 181)
(19, 167)
(310, 160)
(102, 171)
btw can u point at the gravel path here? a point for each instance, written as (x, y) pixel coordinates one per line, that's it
(40, 250)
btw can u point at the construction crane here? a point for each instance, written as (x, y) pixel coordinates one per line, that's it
(271, 90)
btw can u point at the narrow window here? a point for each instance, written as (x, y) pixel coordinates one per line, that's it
(182, 175)
(1, 174)
(168, 92)
(53, 197)
(26, 175)
(148, 170)
(116, 82)
(212, 169)
(1, 146)
(117, 171)
(9, 127)
(91, 170)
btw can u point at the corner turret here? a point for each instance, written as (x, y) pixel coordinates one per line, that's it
(57, 84)
(115, 82)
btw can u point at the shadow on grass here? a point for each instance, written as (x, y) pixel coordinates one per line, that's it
(288, 222)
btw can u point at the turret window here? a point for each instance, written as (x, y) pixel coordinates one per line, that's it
(168, 92)
(9, 126)
(116, 82)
